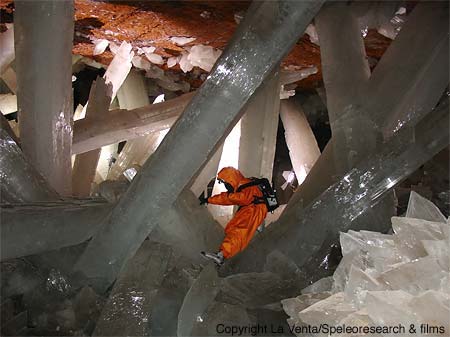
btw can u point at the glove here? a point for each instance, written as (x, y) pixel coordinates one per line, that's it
(203, 199)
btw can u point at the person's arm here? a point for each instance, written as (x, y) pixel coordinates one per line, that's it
(226, 198)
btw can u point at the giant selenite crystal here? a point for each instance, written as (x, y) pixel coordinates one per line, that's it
(44, 80)
(20, 182)
(39, 227)
(85, 165)
(340, 207)
(302, 145)
(198, 298)
(346, 73)
(405, 85)
(128, 309)
(375, 287)
(259, 44)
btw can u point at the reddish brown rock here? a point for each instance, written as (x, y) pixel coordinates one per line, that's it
(152, 23)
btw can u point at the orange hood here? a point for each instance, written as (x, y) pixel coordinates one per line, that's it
(232, 176)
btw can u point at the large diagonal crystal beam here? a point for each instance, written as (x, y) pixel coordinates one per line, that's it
(343, 58)
(34, 228)
(259, 126)
(43, 32)
(414, 71)
(29, 229)
(406, 83)
(345, 74)
(262, 40)
(85, 165)
(300, 140)
(133, 94)
(120, 125)
(20, 182)
(343, 204)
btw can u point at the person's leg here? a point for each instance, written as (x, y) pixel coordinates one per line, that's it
(240, 230)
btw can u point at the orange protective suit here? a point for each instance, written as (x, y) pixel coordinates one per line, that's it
(242, 227)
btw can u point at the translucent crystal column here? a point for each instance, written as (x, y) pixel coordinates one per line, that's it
(120, 125)
(230, 157)
(302, 145)
(44, 226)
(406, 83)
(345, 73)
(208, 172)
(259, 126)
(262, 40)
(7, 51)
(413, 73)
(85, 165)
(44, 80)
(20, 182)
(343, 58)
(128, 309)
(36, 228)
(133, 94)
(344, 205)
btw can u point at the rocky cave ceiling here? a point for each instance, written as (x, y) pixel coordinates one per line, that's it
(153, 23)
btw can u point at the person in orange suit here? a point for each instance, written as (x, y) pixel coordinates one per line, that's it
(251, 214)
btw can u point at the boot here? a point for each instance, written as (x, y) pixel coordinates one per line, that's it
(217, 258)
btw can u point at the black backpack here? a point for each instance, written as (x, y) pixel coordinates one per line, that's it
(269, 194)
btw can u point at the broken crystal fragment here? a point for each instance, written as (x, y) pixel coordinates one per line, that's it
(410, 232)
(324, 284)
(331, 311)
(397, 291)
(238, 16)
(358, 284)
(440, 250)
(432, 308)
(205, 14)
(172, 61)
(356, 258)
(182, 40)
(421, 208)
(292, 306)
(414, 277)
(358, 318)
(146, 50)
(285, 94)
(100, 46)
(119, 67)
(185, 64)
(288, 77)
(203, 56)
(312, 33)
(113, 47)
(388, 308)
(154, 58)
(141, 63)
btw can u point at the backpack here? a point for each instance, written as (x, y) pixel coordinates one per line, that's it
(269, 194)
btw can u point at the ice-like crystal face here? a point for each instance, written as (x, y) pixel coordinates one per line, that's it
(100, 46)
(57, 281)
(383, 279)
(331, 310)
(421, 208)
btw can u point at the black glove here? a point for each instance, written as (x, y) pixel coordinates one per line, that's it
(203, 199)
